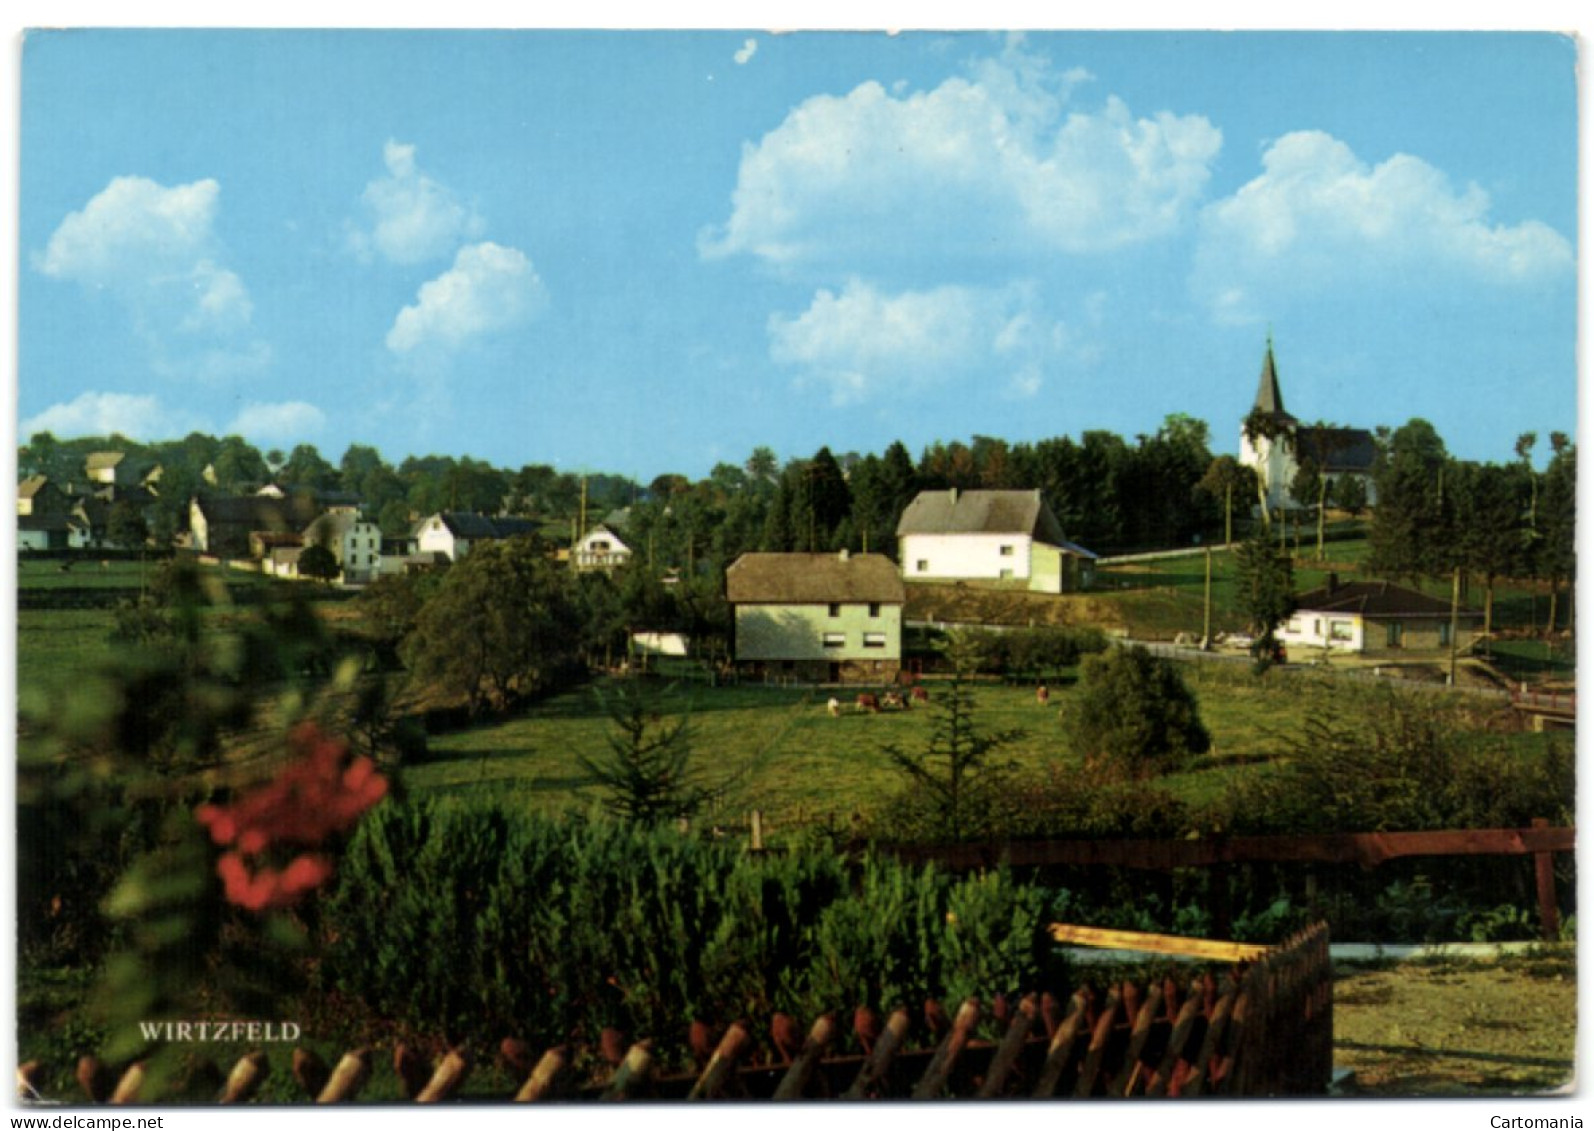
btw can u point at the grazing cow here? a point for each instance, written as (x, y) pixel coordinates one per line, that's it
(919, 693)
(892, 701)
(834, 707)
(868, 701)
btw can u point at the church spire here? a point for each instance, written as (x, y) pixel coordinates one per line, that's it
(1269, 401)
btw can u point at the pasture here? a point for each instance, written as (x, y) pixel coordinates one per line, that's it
(780, 751)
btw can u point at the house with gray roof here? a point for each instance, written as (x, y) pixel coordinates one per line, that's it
(817, 618)
(1375, 617)
(1002, 538)
(453, 533)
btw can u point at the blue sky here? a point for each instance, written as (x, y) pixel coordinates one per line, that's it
(648, 252)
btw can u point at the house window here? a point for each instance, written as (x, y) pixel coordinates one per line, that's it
(1340, 630)
(1007, 575)
(835, 609)
(921, 566)
(1444, 634)
(835, 640)
(1294, 627)
(874, 608)
(874, 640)
(1006, 551)
(1394, 634)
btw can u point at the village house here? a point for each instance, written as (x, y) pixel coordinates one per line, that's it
(355, 542)
(221, 525)
(37, 497)
(1347, 453)
(453, 533)
(997, 537)
(1373, 618)
(831, 618)
(118, 469)
(600, 549)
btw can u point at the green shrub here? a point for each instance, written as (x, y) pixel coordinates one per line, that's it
(1133, 716)
(487, 923)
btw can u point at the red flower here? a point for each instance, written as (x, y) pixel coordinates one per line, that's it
(310, 799)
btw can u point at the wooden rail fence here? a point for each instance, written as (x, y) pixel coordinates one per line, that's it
(1262, 1026)
(1541, 841)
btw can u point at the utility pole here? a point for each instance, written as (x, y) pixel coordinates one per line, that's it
(1206, 616)
(1455, 605)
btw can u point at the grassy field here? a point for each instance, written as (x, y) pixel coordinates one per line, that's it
(778, 750)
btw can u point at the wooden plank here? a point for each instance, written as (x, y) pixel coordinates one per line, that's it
(1544, 877)
(722, 1063)
(450, 1074)
(1155, 944)
(934, 1079)
(1367, 849)
(1018, 1031)
(1158, 1084)
(1061, 1050)
(347, 1078)
(127, 1088)
(820, 1038)
(1128, 1074)
(1196, 1082)
(245, 1078)
(1091, 1068)
(633, 1072)
(874, 1069)
(546, 1078)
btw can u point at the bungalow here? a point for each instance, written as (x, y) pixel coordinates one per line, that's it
(1004, 537)
(1375, 617)
(817, 617)
(452, 533)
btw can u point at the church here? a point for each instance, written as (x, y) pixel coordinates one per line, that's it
(1271, 440)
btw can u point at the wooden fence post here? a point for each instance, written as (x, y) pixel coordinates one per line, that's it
(1544, 872)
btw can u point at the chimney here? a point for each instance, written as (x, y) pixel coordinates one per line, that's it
(1333, 582)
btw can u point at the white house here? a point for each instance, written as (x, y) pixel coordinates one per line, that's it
(601, 549)
(1004, 537)
(1373, 617)
(355, 542)
(453, 533)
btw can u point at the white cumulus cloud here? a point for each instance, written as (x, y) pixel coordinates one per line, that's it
(156, 249)
(409, 217)
(1318, 215)
(747, 51)
(861, 342)
(490, 288)
(996, 162)
(137, 416)
(282, 421)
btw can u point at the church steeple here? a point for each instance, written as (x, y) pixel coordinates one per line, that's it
(1269, 401)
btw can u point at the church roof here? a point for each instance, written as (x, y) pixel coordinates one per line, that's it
(1269, 400)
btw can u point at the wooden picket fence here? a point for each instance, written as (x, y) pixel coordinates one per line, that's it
(1260, 1026)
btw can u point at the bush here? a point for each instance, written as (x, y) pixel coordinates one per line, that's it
(1133, 716)
(1403, 761)
(489, 924)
